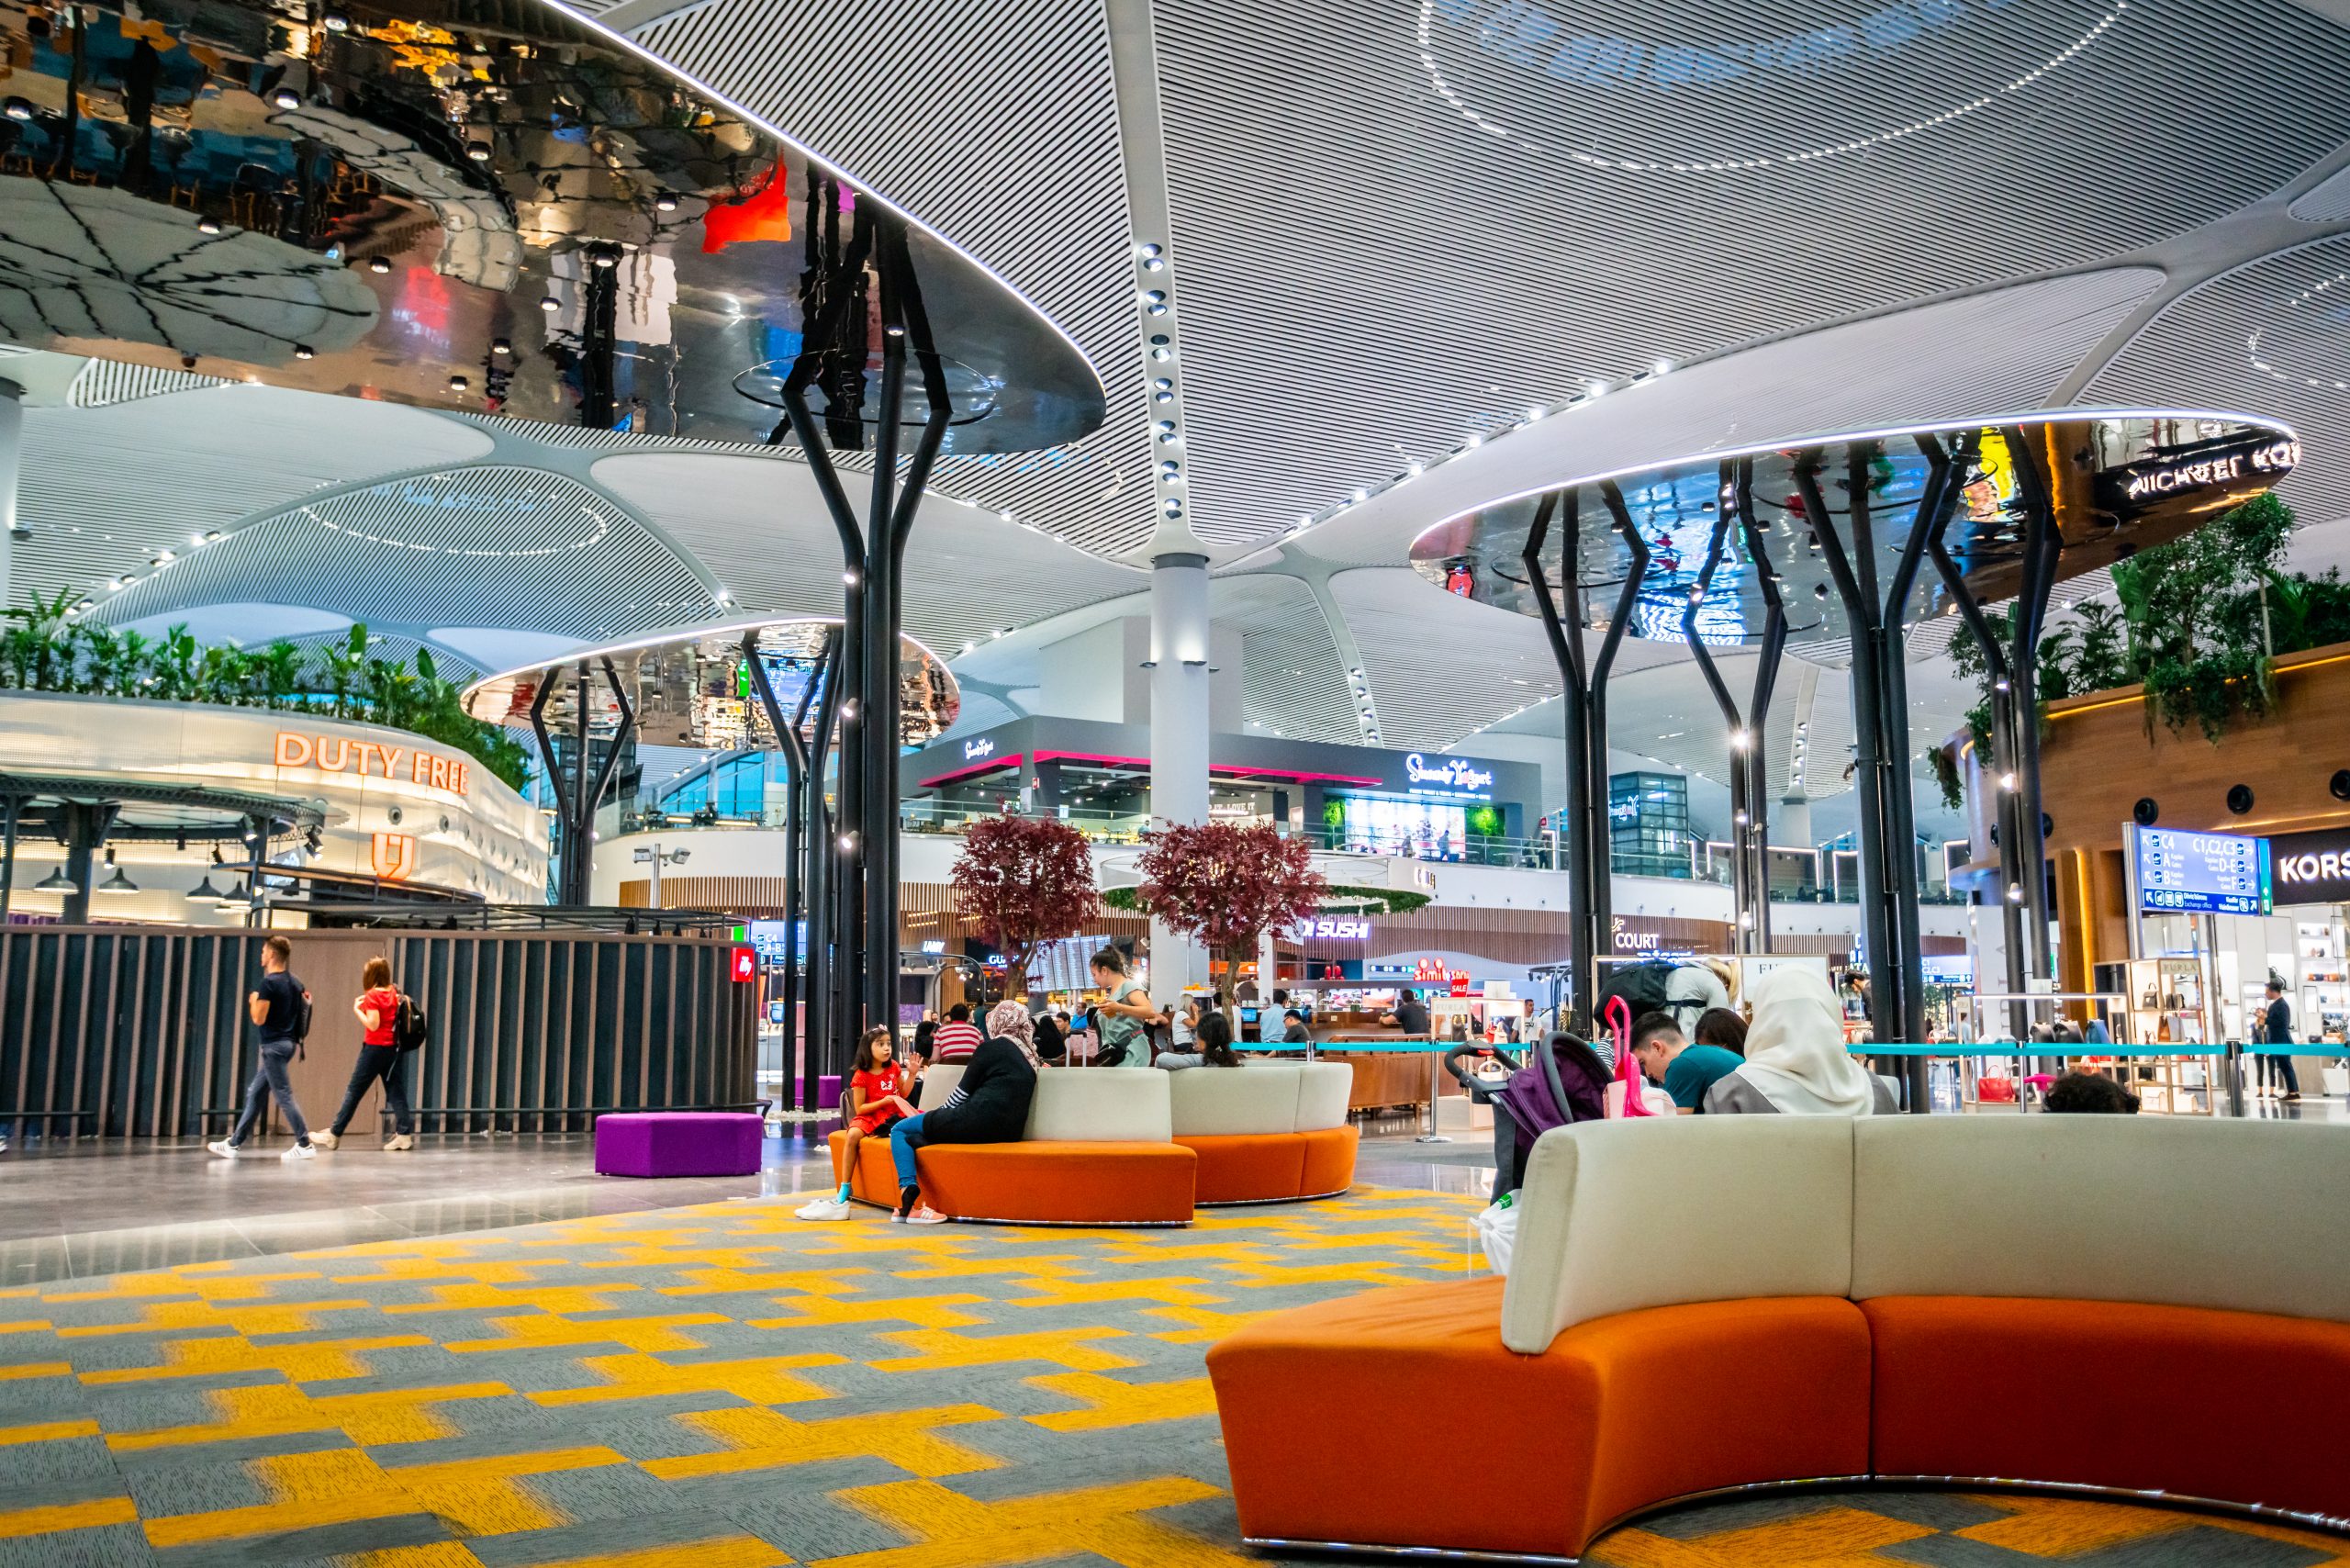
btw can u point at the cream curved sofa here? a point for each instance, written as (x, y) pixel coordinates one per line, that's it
(2155, 1307)
(1274, 1132)
(1099, 1149)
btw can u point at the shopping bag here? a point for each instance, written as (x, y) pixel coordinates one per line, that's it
(2335, 1078)
(1497, 1232)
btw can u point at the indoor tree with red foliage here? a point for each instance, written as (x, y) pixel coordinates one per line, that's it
(1224, 885)
(1022, 882)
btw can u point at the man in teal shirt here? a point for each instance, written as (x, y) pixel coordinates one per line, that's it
(1667, 1058)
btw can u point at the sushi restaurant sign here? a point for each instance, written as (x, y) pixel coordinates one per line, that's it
(340, 754)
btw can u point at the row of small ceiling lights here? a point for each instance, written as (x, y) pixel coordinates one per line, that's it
(1592, 391)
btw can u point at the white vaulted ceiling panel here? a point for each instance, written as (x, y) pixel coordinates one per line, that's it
(761, 529)
(2268, 339)
(106, 489)
(1436, 213)
(482, 546)
(1296, 684)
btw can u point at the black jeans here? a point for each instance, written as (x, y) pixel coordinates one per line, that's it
(391, 1066)
(2280, 1070)
(269, 1078)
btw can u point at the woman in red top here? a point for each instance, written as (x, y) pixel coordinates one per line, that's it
(378, 1009)
(875, 1101)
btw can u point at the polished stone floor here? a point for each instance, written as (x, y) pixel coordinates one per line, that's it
(91, 1208)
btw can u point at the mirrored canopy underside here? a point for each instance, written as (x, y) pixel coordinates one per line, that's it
(466, 205)
(2119, 481)
(697, 690)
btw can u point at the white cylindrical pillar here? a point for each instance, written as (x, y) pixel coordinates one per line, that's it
(12, 445)
(1178, 724)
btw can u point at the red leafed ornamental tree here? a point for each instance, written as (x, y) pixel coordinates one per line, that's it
(1224, 885)
(1022, 882)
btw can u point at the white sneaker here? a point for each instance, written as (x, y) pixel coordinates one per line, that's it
(925, 1215)
(823, 1209)
(222, 1148)
(325, 1141)
(300, 1151)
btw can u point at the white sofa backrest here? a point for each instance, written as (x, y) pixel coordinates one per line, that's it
(2178, 1211)
(1322, 1088)
(1623, 1215)
(938, 1081)
(1100, 1105)
(1211, 1101)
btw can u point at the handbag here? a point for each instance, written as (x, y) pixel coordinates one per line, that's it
(1628, 1093)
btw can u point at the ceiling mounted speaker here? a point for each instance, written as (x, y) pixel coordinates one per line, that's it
(2145, 812)
(2240, 797)
(2340, 784)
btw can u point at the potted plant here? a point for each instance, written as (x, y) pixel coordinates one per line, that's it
(1224, 887)
(1022, 882)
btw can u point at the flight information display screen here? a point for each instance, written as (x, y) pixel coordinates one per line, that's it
(2201, 873)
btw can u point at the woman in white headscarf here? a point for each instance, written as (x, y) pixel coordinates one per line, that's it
(1011, 1020)
(1796, 1061)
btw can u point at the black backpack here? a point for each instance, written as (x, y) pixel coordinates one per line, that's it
(408, 1030)
(301, 1018)
(1642, 987)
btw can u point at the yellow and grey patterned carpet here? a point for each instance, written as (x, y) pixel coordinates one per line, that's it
(726, 1387)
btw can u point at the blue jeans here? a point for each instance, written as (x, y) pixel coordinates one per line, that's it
(904, 1138)
(268, 1079)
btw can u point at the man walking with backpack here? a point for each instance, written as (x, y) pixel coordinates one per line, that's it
(395, 1028)
(280, 1009)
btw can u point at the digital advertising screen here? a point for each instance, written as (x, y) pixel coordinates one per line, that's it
(2201, 873)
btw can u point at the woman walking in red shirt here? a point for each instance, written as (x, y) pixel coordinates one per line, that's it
(875, 1103)
(378, 1008)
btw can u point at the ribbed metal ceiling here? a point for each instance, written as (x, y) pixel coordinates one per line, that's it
(995, 121)
(2267, 337)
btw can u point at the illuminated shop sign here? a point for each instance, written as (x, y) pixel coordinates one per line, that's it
(335, 754)
(1334, 927)
(2311, 868)
(974, 750)
(2152, 481)
(1447, 776)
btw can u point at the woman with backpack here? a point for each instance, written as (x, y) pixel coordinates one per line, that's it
(381, 1010)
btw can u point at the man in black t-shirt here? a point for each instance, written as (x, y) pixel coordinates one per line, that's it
(1410, 1015)
(276, 1007)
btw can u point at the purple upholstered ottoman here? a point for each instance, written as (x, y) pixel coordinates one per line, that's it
(678, 1143)
(828, 1091)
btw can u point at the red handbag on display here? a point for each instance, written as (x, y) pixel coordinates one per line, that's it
(1994, 1090)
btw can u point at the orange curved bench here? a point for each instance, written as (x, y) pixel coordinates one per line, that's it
(1067, 1182)
(1268, 1132)
(1271, 1167)
(1707, 1304)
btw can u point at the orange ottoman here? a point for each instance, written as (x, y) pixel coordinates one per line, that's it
(2240, 1407)
(1057, 1183)
(1619, 1413)
(1271, 1167)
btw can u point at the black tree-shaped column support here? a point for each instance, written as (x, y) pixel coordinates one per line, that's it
(872, 555)
(1585, 704)
(577, 795)
(2044, 546)
(806, 835)
(1998, 769)
(1750, 807)
(1876, 611)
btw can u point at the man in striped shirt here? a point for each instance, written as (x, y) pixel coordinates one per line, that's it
(957, 1037)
